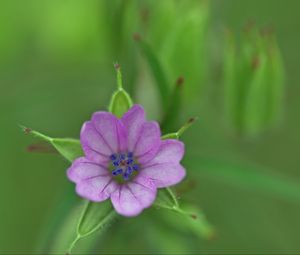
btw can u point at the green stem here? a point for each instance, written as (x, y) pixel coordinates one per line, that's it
(78, 237)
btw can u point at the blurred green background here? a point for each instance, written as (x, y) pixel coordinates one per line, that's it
(56, 68)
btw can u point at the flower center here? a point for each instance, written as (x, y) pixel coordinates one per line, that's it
(123, 166)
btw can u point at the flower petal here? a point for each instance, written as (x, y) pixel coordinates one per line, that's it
(133, 121)
(165, 174)
(170, 151)
(132, 198)
(96, 188)
(82, 169)
(93, 145)
(111, 130)
(148, 142)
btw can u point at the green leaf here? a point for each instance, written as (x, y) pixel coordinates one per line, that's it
(276, 78)
(69, 148)
(231, 85)
(175, 105)
(183, 47)
(95, 216)
(120, 101)
(246, 176)
(255, 109)
(157, 71)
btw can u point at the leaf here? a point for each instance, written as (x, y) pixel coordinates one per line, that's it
(120, 101)
(276, 78)
(157, 71)
(183, 47)
(175, 105)
(69, 148)
(95, 216)
(230, 81)
(255, 109)
(247, 176)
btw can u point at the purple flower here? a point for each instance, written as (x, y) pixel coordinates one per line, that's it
(126, 161)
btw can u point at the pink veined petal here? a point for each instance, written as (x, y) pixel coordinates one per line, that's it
(82, 169)
(148, 156)
(97, 188)
(132, 198)
(111, 130)
(148, 142)
(165, 174)
(170, 150)
(133, 121)
(93, 144)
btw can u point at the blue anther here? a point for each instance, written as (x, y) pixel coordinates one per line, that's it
(122, 156)
(129, 154)
(113, 157)
(116, 163)
(129, 161)
(126, 176)
(117, 171)
(129, 170)
(135, 167)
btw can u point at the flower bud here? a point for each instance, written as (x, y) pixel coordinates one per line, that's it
(253, 80)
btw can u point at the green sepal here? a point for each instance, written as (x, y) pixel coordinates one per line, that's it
(189, 220)
(186, 218)
(94, 217)
(177, 135)
(69, 148)
(167, 199)
(120, 103)
(175, 105)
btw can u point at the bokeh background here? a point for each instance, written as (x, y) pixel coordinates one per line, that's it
(56, 68)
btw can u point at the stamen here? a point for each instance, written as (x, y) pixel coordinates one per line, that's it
(125, 164)
(116, 163)
(129, 161)
(126, 176)
(117, 172)
(113, 157)
(129, 170)
(135, 167)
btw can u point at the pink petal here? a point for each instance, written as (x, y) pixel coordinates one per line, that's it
(164, 174)
(132, 198)
(82, 169)
(169, 151)
(93, 144)
(96, 188)
(112, 130)
(133, 121)
(148, 142)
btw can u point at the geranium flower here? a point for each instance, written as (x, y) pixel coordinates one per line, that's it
(125, 160)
